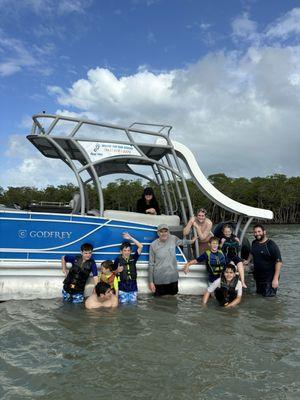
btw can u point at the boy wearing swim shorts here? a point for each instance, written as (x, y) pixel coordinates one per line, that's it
(125, 263)
(78, 274)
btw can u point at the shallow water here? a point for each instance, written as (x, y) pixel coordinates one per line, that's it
(160, 349)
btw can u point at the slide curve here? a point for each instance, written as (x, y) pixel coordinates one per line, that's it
(211, 192)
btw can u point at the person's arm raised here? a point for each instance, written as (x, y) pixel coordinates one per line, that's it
(136, 242)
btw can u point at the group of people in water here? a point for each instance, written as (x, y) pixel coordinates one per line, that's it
(117, 281)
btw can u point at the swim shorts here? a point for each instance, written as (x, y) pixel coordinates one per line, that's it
(265, 289)
(169, 288)
(72, 298)
(127, 297)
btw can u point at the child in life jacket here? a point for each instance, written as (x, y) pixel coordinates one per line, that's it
(108, 275)
(78, 274)
(125, 264)
(214, 259)
(230, 246)
(227, 288)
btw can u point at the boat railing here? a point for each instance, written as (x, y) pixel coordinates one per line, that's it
(71, 127)
(50, 203)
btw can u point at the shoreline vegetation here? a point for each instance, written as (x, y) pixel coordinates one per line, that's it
(276, 192)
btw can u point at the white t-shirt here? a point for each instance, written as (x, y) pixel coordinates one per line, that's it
(217, 284)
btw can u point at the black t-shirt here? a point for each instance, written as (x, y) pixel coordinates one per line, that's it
(265, 256)
(142, 206)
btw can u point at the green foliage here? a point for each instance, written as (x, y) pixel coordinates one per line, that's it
(276, 192)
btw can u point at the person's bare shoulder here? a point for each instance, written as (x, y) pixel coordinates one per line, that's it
(208, 222)
(92, 302)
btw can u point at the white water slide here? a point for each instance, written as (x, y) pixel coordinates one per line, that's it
(214, 194)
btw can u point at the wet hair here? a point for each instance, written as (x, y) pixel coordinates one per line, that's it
(261, 226)
(124, 245)
(230, 266)
(214, 239)
(86, 247)
(108, 264)
(148, 191)
(101, 288)
(202, 210)
(227, 226)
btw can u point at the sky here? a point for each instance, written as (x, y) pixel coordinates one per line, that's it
(224, 74)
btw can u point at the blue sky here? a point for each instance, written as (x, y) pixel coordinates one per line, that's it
(225, 74)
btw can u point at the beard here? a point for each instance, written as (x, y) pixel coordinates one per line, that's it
(260, 237)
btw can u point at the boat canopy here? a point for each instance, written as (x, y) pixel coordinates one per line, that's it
(93, 150)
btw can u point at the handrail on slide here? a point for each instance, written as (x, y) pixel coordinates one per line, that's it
(213, 193)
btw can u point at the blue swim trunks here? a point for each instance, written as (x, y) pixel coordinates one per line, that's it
(72, 298)
(127, 297)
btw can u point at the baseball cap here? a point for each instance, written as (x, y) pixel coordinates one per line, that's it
(162, 226)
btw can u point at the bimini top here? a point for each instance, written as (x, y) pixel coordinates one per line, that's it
(93, 150)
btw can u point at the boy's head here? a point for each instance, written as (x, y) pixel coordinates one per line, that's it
(102, 289)
(214, 244)
(229, 272)
(125, 249)
(86, 251)
(227, 230)
(107, 267)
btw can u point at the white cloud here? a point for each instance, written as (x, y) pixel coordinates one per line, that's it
(72, 6)
(33, 169)
(15, 55)
(285, 26)
(244, 28)
(45, 8)
(151, 38)
(238, 111)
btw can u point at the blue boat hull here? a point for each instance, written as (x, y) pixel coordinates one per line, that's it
(32, 244)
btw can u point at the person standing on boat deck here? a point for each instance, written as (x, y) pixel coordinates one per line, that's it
(125, 265)
(148, 204)
(203, 226)
(267, 262)
(77, 276)
(162, 272)
(103, 296)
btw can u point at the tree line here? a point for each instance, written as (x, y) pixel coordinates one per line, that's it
(276, 192)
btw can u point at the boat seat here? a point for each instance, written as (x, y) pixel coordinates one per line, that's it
(75, 203)
(170, 220)
(93, 212)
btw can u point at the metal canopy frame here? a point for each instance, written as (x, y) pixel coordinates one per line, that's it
(159, 156)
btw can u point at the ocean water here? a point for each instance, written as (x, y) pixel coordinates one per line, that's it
(168, 348)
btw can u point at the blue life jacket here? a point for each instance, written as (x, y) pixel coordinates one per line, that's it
(216, 262)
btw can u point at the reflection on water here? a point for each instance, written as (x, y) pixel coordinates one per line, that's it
(169, 348)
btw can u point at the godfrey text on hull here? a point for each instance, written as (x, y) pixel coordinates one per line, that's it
(33, 241)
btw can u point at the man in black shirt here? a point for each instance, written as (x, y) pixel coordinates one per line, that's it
(267, 262)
